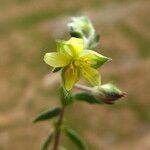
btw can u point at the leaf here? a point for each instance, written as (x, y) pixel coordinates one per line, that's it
(48, 114)
(76, 139)
(86, 97)
(47, 142)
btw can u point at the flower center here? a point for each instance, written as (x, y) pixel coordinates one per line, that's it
(77, 62)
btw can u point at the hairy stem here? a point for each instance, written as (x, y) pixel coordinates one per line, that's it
(83, 88)
(58, 129)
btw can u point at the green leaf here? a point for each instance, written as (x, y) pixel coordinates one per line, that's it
(48, 114)
(47, 142)
(76, 139)
(86, 97)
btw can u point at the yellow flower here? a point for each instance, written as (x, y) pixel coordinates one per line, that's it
(76, 61)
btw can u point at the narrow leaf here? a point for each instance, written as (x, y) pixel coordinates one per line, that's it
(76, 139)
(47, 142)
(86, 97)
(48, 114)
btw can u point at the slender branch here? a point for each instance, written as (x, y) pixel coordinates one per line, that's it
(58, 130)
(60, 120)
(83, 87)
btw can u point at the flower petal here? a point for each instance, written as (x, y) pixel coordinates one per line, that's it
(91, 74)
(70, 75)
(76, 46)
(63, 48)
(55, 59)
(95, 59)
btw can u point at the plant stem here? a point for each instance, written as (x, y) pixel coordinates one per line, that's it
(58, 129)
(83, 87)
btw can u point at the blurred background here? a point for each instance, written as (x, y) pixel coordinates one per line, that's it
(28, 29)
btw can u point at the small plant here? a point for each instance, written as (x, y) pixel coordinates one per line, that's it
(74, 59)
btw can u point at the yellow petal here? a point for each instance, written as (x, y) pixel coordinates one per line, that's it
(70, 75)
(76, 46)
(91, 74)
(63, 48)
(95, 59)
(55, 59)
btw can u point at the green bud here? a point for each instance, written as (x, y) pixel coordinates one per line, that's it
(81, 27)
(108, 93)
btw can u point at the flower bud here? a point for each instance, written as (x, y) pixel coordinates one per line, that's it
(81, 27)
(108, 93)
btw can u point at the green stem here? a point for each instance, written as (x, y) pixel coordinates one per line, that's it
(60, 120)
(83, 88)
(58, 129)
